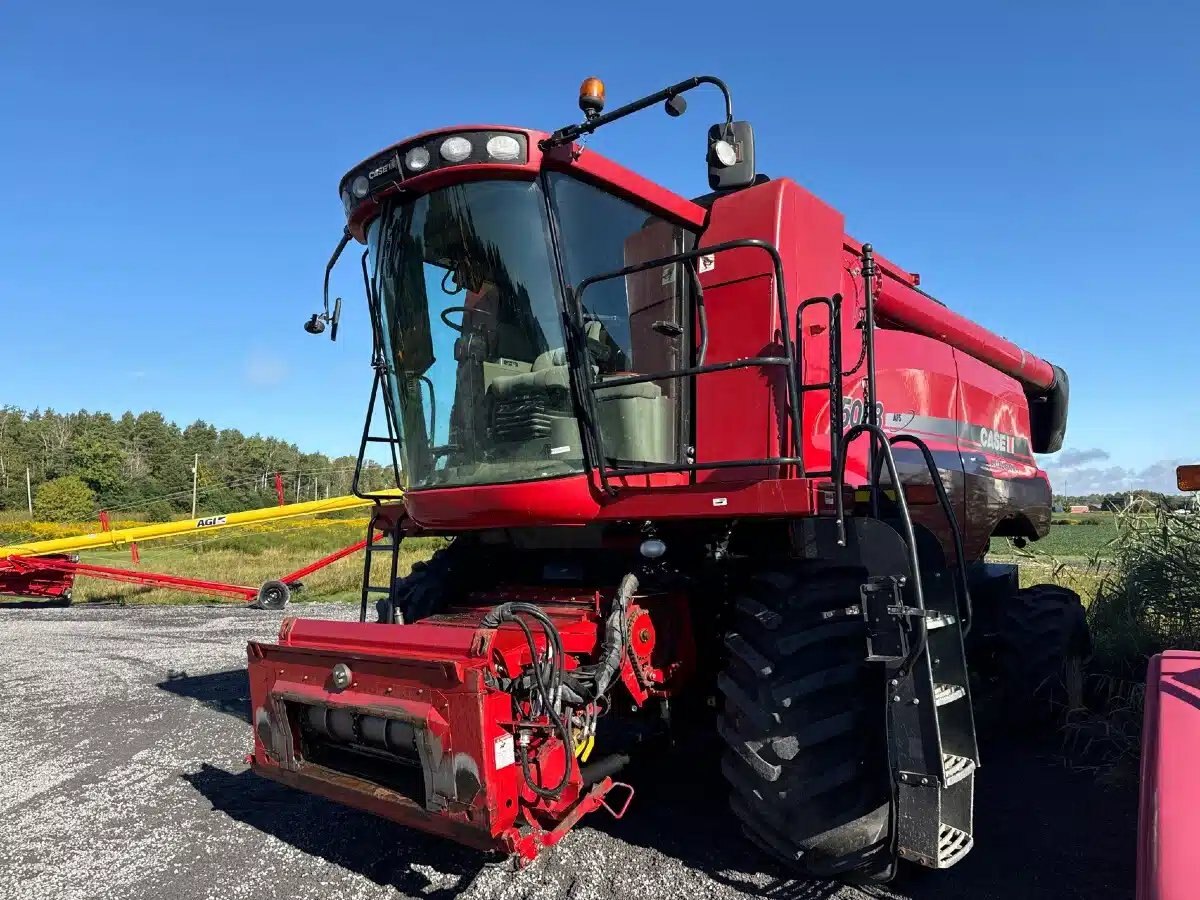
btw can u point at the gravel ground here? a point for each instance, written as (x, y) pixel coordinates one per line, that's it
(122, 735)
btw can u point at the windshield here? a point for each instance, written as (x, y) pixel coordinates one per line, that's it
(471, 330)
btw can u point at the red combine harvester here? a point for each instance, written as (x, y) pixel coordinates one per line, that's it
(666, 436)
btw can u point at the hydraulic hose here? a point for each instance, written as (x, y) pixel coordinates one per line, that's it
(613, 648)
(549, 690)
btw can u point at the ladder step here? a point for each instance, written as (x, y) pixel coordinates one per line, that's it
(939, 620)
(953, 845)
(947, 693)
(374, 547)
(373, 589)
(956, 768)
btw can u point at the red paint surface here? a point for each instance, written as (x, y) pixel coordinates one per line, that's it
(1168, 865)
(437, 674)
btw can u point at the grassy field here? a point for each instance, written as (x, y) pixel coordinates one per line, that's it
(245, 556)
(1075, 554)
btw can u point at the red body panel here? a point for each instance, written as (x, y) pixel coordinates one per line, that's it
(926, 386)
(1168, 866)
(439, 677)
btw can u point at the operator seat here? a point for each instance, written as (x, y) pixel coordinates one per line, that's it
(635, 419)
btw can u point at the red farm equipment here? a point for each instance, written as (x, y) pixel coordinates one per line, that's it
(1169, 810)
(707, 464)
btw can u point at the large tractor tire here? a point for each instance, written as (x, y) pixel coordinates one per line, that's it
(803, 722)
(425, 589)
(1043, 644)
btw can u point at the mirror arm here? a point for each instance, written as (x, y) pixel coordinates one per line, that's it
(572, 132)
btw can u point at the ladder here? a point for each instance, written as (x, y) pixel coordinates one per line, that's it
(933, 752)
(381, 594)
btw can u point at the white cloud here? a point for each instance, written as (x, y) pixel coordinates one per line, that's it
(1069, 474)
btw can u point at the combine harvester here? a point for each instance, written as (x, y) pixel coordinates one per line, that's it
(713, 469)
(45, 571)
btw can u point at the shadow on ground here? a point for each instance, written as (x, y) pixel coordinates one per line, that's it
(1043, 830)
(227, 692)
(382, 851)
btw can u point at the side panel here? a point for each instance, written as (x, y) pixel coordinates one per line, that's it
(1006, 492)
(740, 414)
(918, 394)
(1168, 867)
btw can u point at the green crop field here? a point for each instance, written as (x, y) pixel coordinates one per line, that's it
(1073, 538)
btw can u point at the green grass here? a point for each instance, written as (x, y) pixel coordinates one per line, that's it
(248, 557)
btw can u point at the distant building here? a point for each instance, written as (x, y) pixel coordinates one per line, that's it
(1079, 509)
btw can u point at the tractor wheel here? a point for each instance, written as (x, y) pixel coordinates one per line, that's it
(803, 721)
(272, 595)
(424, 590)
(1043, 643)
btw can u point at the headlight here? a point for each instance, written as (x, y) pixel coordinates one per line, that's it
(417, 159)
(361, 186)
(347, 200)
(455, 149)
(503, 147)
(725, 152)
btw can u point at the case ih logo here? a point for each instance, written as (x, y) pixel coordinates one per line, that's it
(211, 520)
(996, 440)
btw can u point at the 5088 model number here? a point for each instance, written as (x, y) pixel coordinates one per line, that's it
(852, 412)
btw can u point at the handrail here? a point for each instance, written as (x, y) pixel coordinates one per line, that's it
(788, 361)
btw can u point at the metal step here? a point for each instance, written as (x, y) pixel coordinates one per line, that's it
(373, 589)
(939, 620)
(947, 693)
(956, 768)
(953, 845)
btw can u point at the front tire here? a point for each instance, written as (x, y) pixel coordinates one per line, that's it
(1044, 642)
(803, 723)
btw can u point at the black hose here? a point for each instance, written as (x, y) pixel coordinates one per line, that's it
(602, 768)
(549, 691)
(613, 648)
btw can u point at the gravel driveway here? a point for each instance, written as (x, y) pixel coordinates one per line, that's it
(122, 734)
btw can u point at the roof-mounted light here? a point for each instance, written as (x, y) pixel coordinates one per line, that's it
(417, 159)
(427, 154)
(455, 149)
(591, 97)
(504, 147)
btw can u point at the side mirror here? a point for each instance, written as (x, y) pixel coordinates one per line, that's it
(730, 156)
(333, 321)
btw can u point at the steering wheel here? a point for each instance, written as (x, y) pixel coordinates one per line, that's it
(457, 326)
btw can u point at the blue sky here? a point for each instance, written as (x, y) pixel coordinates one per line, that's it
(170, 173)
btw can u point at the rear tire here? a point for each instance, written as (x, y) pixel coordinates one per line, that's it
(803, 723)
(1043, 644)
(423, 592)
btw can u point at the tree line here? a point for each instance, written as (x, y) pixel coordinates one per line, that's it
(141, 464)
(1115, 501)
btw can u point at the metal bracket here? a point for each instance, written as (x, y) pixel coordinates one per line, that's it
(884, 611)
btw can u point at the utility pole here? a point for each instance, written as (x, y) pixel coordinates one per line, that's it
(195, 478)
(29, 490)
(299, 481)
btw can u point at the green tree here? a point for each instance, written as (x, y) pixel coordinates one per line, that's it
(98, 460)
(65, 499)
